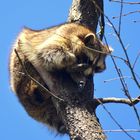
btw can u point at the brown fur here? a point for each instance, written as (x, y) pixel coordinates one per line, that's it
(59, 48)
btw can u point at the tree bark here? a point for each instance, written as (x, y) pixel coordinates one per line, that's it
(77, 114)
(85, 12)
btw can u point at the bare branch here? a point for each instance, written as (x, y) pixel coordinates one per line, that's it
(98, 102)
(120, 17)
(137, 57)
(136, 21)
(126, 91)
(123, 47)
(118, 130)
(118, 1)
(126, 14)
(124, 85)
(117, 100)
(126, 130)
(118, 78)
(118, 57)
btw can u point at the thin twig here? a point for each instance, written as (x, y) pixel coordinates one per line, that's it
(117, 69)
(29, 76)
(136, 21)
(123, 47)
(137, 75)
(124, 2)
(126, 91)
(118, 78)
(124, 85)
(111, 116)
(118, 57)
(137, 57)
(133, 101)
(119, 130)
(126, 14)
(125, 52)
(120, 17)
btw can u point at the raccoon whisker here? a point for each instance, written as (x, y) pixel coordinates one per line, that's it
(94, 50)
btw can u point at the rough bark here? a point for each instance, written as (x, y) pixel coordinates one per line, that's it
(85, 12)
(76, 111)
(78, 115)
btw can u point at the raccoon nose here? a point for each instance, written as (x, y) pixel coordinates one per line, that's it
(81, 85)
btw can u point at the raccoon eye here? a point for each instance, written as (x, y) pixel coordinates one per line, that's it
(89, 39)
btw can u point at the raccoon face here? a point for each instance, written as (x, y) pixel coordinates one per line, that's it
(96, 52)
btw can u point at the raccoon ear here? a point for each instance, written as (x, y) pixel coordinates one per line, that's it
(89, 39)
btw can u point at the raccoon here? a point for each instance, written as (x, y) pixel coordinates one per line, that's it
(70, 47)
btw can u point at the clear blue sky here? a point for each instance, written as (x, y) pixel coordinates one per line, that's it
(15, 124)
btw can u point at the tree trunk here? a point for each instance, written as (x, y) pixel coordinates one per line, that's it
(85, 12)
(77, 114)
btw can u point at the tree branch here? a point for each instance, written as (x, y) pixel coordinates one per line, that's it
(126, 130)
(124, 2)
(99, 101)
(78, 117)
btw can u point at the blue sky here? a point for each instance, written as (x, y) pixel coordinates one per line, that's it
(15, 124)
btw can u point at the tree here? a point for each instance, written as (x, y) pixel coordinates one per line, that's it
(78, 113)
(75, 113)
